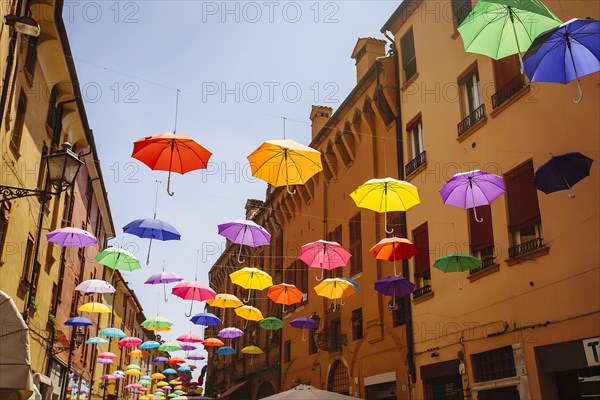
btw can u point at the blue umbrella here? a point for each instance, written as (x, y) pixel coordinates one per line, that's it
(565, 53)
(225, 351)
(96, 340)
(150, 344)
(353, 282)
(113, 332)
(160, 359)
(395, 286)
(187, 368)
(169, 371)
(562, 173)
(206, 319)
(152, 229)
(78, 321)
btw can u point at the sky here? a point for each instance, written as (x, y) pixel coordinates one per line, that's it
(240, 67)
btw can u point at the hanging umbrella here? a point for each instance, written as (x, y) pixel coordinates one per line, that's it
(225, 351)
(562, 173)
(71, 237)
(95, 286)
(157, 375)
(194, 291)
(249, 313)
(252, 350)
(335, 288)
(107, 354)
(304, 324)
(500, 28)
(171, 152)
(207, 319)
(244, 232)
(457, 262)
(184, 368)
(213, 342)
(325, 255)
(130, 342)
(95, 308)
(285, 294)
(78, 321)
(189, 338)
(285, 163)
(565, 53)
(170, 371)
(145, 377)
(385, 195)
(96, 340)
(392, 249)
(251, 278)
(395, 286)
(472, 189)
(164, 278)
(152, 229)
(353, 282)
(224, 300)
(139, 353)
(160, 359)
(188, 347)
(169, 346)
(271, 324)
(150, 344)
(108, 377)
(195, 357)
(230, 333)
(175, 381)
(113, 332)
(118, 259)
(133, 366)
(104, 361)
(157, 323)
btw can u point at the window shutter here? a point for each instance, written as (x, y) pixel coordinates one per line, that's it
(355, 245)
(481, 233)
(421, 240)
(523, 208)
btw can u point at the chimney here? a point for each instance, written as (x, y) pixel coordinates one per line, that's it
(365, 53)
(252, 208)
(319, 115)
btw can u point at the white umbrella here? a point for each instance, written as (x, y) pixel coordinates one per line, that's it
(95, 286)
(308, 392)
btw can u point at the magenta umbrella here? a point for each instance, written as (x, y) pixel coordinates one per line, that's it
(130, 342)
(190, 338)
(104, 361)
(163, 277)
(325, 255)
(188, 347)
(193, 291)
(244, 232)
(71, 237)
(472, 189)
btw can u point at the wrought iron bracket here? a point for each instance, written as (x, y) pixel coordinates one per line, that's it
(12, 192)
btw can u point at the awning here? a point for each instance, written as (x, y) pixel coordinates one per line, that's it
(229, 392)
(15, 364)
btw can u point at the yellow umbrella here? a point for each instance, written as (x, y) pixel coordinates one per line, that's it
(335, 288)
(251, 278)
(285, 163)
(249, 313)
(384, 195)
(139, 353)
(95, 307)
(224, 300)
(133, 372)
(157, 375)
(252, 350)
(174, 382)
(178, 387)
(162, 383)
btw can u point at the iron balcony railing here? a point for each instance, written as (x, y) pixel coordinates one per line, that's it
(525, 247)
(486, 262)
(415, 163)
(331, 341)
(471, 120)
(421, 291)
(507, 91)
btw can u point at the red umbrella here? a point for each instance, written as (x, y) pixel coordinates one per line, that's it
(108, 377)
(176, 360)
(193, 291)
(394, 248)
(171, 152)
(190, 338)
(130, 342)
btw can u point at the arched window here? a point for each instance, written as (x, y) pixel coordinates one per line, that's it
(338, 380)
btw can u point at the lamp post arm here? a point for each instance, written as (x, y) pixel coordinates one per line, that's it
(12, 192)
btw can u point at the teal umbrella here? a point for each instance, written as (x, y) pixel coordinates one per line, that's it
(500, 28)
(457, 262)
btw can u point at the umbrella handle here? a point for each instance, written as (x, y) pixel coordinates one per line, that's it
(289, 191)
(148, 256)
(322, 274)
(458, 282)
(304, 339)
(271, 335)
(248, 299)
(577, 101)
(395, 273)
(191, 305)
(239, 257)
(165, 292)
(283, 309)
(475, 214)
(169, 185)
(386, 226)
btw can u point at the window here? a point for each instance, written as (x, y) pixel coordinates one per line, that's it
(505, 393)
(409, 59)
(31, 56)
(472, 109)
(51, 117)
(460, 11)
(481, 235)
(15, 139)
(4, 217)
(338, 380)
(41, 181)
(421, 260)
(27, 261)
(448, 387)
(398, 314)
(494, 364)
(312, 343)
(287, 351)
(524, 221)
(355, 245)
(416, 145)
(509, 81)
(357, 324)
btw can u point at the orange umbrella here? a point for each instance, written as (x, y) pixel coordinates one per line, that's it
(176, 360)
(285, 294)
(394, 248)
(171, 152)
(213, 342)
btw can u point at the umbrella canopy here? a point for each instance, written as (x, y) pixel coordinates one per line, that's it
(457, 262)
(157, 375)
(271, 323)
(160, 359)
(244, 232)
(108, 377)
(195, 356)
(251, 278)
(150, 344)
(170, 371)
(78, 321)
(133, 366)
(71, 237)
(285, 294)
(285, 162)
(130, 342)
(249, 313)
(304, 323)
(188, 347)
(189, 338)
(325, 255)
(118, 259)
(252, 350)
(107, 354)
(104, 361)
(95, 286)
(224, 300)
(500, 28)
(206, 319)
(112, 332)
(171, 152)
(472, 189)
(562, 172)
(169, 346)
(395, 286)
(335, 288)
(156, 323)
(139, 353)
(385, 195)
(95, 308)
(184, 368)
(193, 291)
(175, 381)
(163, 277)
(213, 342)
(307, 392)
(225, 351)
(152, 228)
(392, 249)
(230, 333)
(96, 340)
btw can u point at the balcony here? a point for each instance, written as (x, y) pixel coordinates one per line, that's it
(421, 291)
(526, 247)
(414, 164)
(471, 120)
(486, 262)
(331, 341)
(507, 91)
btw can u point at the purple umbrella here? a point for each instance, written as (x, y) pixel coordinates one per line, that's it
(152, 229)
(163, 277)
(472, 189)
(230, 333)
(395, 286)
(244, 232)
(160, 359)
(188, 347)
(78, 321)
(71, 237)
(195, 356)
(304, 324)
(104, 361)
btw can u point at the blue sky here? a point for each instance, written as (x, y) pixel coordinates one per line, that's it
(240, 67)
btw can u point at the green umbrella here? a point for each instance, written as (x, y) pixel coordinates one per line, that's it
(169, 346)
(133, 366)
(156, 323)
(457, 262)
(144, 382)
(271, 323)
(118, 259)
(500, 28)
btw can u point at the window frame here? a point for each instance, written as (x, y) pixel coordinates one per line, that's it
(355, 226)
(17, 133)
(407, 57)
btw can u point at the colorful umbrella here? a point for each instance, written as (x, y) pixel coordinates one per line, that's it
(195, 357)
(164, 278)
(95, 286)
(251, 278)
(95, 308)
(230, 333)
(457, 262)
(249, 313)
(244, 232)
(207, 319)
(171, 152)
(160, 359)
(104, 361)
(78, 321)
(96, 340)
(108, 377)
(133, 366)
(150, 344)
(395, 286)
(139, 353)
(175, 381)
(118, 259)
(325, 255)
(113, 332)
(188, 347)
(252, 350)
(392, 249)
(130, 342)
(157, 323)
(304, 324)
(562, 173)
(335, 288)
(107, 354)
(170, 371)
(193, 291)
(152, 229)
(225, 351)
(169, 346)
(213, 342)
(189, 338)
(184, 368)
(157, 375)
(285, 294)
(385, 195)
(472, 189)
(224, 300)
(500, 28)
(271, 324)
(71, 237)
(133, 372)
(565, 54)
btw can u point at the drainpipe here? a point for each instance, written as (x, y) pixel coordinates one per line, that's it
(410, 347)
(280, 229)
(10, 57)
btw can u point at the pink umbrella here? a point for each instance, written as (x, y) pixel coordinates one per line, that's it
(190, 338)
(108, 377)
(193, 291)
(325, 255)
(71, 237)
(104, 361)
(107, 354)
(130, 342)
(163, 277)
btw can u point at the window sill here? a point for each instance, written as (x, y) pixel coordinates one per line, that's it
(532, 255)
(484, 272)
(416, 172)
(455, 34)
(24, 285)
(472, 130)
(357, 275)
(423, 298)
(409, 82)
(510, 101)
